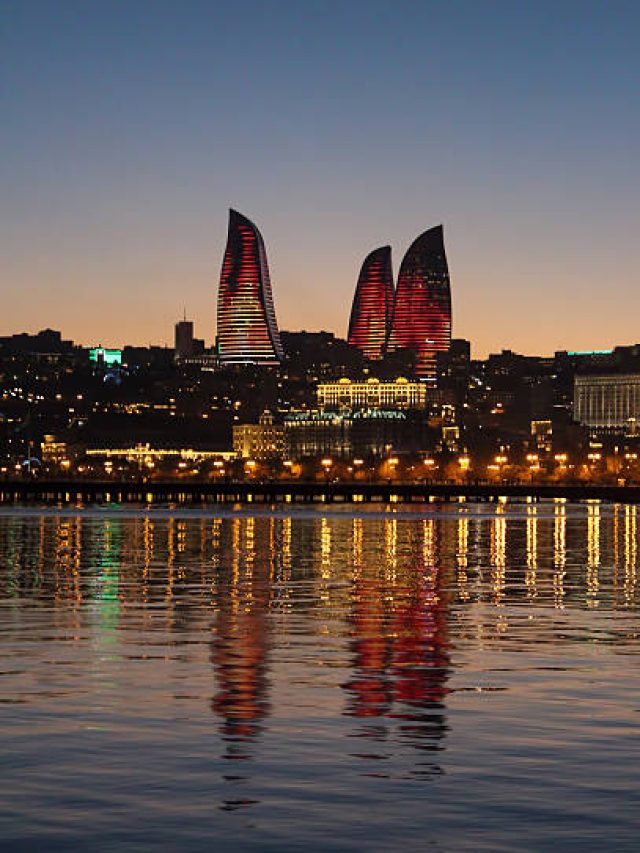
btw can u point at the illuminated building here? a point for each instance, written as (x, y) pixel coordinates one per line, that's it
(107, 357)
(367, 433)
(451, 438)
(542, 433)
(372, 394)
(372, 304)
(315, 434)
(422, 307)
(261, 441)
(144, 453)
(53, 452)
(607, 403)
(247, 328)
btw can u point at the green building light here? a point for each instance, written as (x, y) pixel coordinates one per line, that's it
(108, 357)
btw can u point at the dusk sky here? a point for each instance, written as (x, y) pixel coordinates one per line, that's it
(130, 128)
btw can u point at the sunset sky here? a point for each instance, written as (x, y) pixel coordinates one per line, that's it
(129, 129)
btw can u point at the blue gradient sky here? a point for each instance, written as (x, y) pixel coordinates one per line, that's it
(129, 128)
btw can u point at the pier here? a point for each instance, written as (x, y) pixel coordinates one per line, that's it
(296, 492)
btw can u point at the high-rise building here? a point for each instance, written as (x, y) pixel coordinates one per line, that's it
(421, 318)
(184, 339)
(247, 328)
(372, 304)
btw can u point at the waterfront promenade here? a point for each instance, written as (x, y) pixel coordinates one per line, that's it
(278, 492)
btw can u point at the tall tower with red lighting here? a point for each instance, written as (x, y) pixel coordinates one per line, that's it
(247, 328)
(422, 306)
(372, 304)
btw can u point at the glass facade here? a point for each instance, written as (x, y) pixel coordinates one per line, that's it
(609, 403)
(247, 328)
(422, 307)
(372, 304)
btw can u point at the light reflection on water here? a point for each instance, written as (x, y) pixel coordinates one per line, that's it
(464, 678)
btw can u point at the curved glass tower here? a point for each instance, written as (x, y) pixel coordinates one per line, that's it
(372, 304)
(422, 306)
(247, 328)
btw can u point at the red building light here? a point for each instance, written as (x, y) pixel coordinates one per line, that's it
(372, 304)
(422, 307)
(247, 328)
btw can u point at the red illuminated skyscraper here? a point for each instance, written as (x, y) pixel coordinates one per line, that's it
(422, 306)
(372, 304)
(247, 328)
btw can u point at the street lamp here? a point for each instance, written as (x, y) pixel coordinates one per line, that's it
(392, 463)
(430, 465)
(561, 461)
(357, 464)
(534, 463)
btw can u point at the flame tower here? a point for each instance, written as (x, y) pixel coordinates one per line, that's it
(247, 328)
(422, 306)
(372, 304)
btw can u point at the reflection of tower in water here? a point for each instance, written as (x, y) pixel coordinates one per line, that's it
(420, 661)
(369, 689)
(399, 644)
(240, 645)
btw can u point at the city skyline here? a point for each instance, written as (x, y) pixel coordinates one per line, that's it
(126, 138)
(403, 324)
(319, 424)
